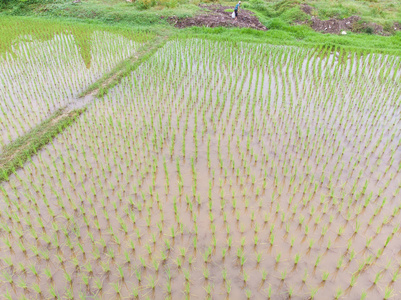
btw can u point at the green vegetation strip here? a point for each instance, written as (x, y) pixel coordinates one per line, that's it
(18, 152)
(299, 36)
(109, 80)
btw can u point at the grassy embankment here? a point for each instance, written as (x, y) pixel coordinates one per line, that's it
(280, 17)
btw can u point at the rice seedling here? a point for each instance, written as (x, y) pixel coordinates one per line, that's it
(202, 157)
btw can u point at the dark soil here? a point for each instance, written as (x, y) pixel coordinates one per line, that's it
(307, 9)
(216, 16)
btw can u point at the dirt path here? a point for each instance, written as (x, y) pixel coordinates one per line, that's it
(216, 16)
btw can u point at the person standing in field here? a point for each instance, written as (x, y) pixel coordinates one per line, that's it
(236, 9)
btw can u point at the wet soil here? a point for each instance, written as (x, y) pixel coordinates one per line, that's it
(217, 16)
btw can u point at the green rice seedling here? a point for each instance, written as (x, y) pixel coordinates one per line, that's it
(395, 276)
(313, 293)
(283, 275)
(152, 282)
(389, 293)
(8, 277)
(258, 257)
(245, 277)
(208, 289)
(32, 268)
(264, 275)
(377, 278)
(340, 262)
(325, 276)
(353, 280)
(305, 276)
(296, 259)
(228, 287)
(278, 256)
(339, 293)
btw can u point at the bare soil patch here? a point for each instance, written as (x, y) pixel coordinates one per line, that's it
(307, 9)
(216, 16)
(336, 26)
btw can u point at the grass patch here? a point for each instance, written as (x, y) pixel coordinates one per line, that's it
(129, 14)
(299, 35)
(384, 13)
(18, 152)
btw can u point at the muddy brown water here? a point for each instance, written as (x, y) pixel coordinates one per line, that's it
(304, 143)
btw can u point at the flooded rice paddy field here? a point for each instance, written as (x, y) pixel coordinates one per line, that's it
(208, 173)
(38, 77)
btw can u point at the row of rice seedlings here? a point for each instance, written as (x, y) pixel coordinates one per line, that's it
(214, 176)
(38, 77)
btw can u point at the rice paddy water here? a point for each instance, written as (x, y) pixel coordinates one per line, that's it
(208, 173)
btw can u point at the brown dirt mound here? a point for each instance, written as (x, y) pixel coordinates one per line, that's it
(216, 16)
(307, 9)
(334, 25)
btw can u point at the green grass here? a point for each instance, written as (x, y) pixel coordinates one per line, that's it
(278, 16)
(380, 12)
(300, 36)
(108, 12)
(374, 11)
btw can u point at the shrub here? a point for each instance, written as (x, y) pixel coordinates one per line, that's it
(172, 4)
(144, 4)
(277, 23)
(369, 30)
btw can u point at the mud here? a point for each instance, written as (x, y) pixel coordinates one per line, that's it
(216, 16)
